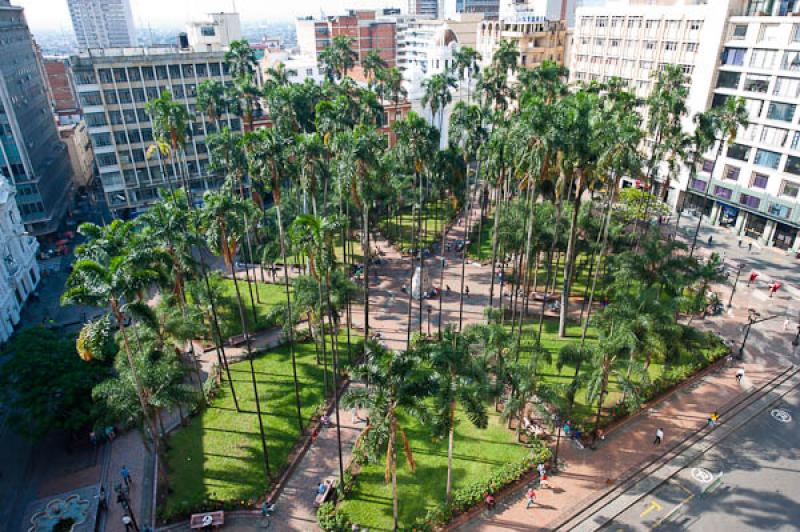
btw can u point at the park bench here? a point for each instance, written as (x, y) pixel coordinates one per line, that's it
(539, 296)
(534, 429)
(237, 340)
(201, 520)
(330, 488)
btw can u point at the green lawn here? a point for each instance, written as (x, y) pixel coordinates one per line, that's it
(486, 240)
(476, 453)
(400, 229)
(228, 310)
(218, 457)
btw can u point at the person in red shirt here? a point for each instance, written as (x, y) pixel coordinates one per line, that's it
(531, 496)
(490, 502)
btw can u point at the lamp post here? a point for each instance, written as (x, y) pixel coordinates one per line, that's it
(735, 282)
(752, 319)
(796, 340)
(430, 309)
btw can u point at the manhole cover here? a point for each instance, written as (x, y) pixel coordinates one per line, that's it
(702, 475)
(779, 414)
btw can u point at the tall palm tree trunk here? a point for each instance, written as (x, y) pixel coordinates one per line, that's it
(495, 238)
(569, 262)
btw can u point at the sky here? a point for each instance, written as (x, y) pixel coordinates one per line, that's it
(46, 15)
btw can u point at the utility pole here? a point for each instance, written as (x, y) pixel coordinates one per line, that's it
(733, 291)
(752, 319)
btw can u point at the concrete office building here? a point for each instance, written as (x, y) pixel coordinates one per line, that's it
(533, 9)
(19, 271)
(215, 33)
(102, 23)
(755, 185)
(61, 91)
(113, 87)
(489, 9)
(426, 8)
(32, 157)
(79, 147)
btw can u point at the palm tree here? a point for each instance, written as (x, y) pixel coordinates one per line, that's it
(506, 56)
(466, 65)
(222, 217)
(170, 126)
(437, 95)
(399, 383)
(390, 87)
(458, 378)
(725, 122)
(311, 152)
(241, 60)
(373, 65)
(109, 274)
(345, 55)
(211, 100)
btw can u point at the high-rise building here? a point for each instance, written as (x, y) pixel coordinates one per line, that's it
(366, 30)
(32, 157)
(113, 88)
(102, 23)
(426, 8)
(490, 9)
(61, 91)
(19, 271)
(754, 187)
(521, 10)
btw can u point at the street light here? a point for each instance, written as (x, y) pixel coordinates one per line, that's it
(752, 319)
(733, 291)
(430, 309)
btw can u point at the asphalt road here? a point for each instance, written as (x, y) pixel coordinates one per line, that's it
(747, 482)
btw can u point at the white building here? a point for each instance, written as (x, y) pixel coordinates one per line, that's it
(298, 67)
(522, 10)
(102, 23)
(632, 40)
(215, 33)
(19, 271)
(755, 186)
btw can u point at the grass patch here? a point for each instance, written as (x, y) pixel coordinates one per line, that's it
(217, 458)
(476, 453)
(401, 228)
(269, 295)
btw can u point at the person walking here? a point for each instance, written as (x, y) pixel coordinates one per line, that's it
(490, 502)
(710, 239)
(739, 375)
(749, 247)
(541, 469)
(659, 437)
(531, 498)
(127, 520)
(126, 475)
(544, 481)
(740, 242)
(466, 292)
(713, 419)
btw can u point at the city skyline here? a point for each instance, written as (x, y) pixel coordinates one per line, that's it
(53, 15)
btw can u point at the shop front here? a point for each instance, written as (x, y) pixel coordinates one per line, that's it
(755, 226)
(728, 215)
(784, 236)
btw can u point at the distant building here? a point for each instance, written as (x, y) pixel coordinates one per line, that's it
(298, 67)
(79, 147)
(425, 8)
(429, 45)
(113, 87)
(214, 34)
(536, 41)
(367, 32)
(19, 271)
(61, 91)
(490, 9)
(529, 10)
(32, 157)
(102, 23)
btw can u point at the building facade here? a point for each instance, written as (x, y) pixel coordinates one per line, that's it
(215, 33)
(61, 91)
(367, 31)
(755, 185)
(489, 9)
(426, 8)
(79, 147)
(536, 41)
(19, 271)
(113, 88)
(32, 157)
(532, 9)
(102, 23)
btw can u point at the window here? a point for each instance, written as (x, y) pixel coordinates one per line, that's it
(121, 137)
(722, 192)
(120, 74)
(795, 145)
(214, 69)
(781, 211)
(728, 80)
(787, 87)
(753, 107)
(781, 111)
(739, 32)
(687, 69)
(101, 139)
(105, 75)
(691, 46)
(201, 70)
(601, 22)
(134, 74)
(791, 61)
(111, 97)
(708, 165)
(790, 189)
(614, 43)
(774, 136)
(695, 25)
(767, 158)
(670, 45)
(106, 159)
(792, 165)
(763, 58)
(731, 173)
(95, 119)
(769, 33)
(634, 22)
(207, 31)
(188, 71)
(161, 72)
(739, 151)
(650, 45)
(750, 201)
(651, 24)
(90, 98)
(719, 100)
(733, 56)
(756, 83)
(759, 181)
(698, 184)
(795, 32)
(597, 42)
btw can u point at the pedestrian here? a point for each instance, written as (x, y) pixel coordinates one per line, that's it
(490, 502)
(404, 289)
(659, 437)
(466, 292)
(129, 524)
(544, 481)
(749, 247)
(739, 375)
(740, 242)
(786, 324)
(126, 475)
(713, 419)
(752, 278)
(531, 496)
(447, 289)
(110, 433)
(541, 470)
(93, 434)
(710, 239)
